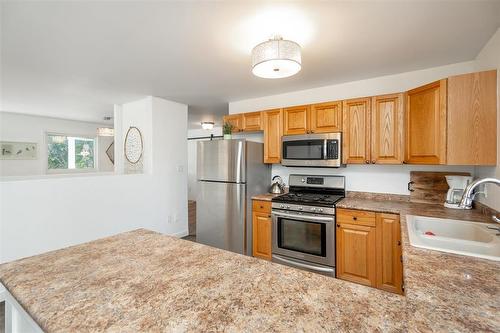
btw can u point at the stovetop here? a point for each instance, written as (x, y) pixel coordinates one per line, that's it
(312, 199)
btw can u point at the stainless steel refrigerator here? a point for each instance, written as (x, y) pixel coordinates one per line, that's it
(229, 173)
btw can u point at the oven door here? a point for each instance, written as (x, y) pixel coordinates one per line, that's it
(315, 150)
(307, 237)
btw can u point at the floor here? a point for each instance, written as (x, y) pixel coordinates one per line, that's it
(2, 317)
(191, 238)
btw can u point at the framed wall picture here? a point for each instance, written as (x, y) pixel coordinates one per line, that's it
(18, 150)
(110, 152)
(133, 145)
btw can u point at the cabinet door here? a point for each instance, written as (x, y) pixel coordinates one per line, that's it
(426, 124)
(252, 121)
(235, 120)
(296, 120)
(326, 117)
(472, 119)
(356, 134)
(389, 266)
(261, 235)
(387, 129)
(273, 126)
(356, 254)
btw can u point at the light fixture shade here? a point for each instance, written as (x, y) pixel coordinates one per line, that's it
(207, 125)
(105, 131)
(276, 58)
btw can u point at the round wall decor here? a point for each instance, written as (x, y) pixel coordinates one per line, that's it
(133, 145)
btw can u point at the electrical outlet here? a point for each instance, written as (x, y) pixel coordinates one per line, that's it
(180, 168)
(170, 219)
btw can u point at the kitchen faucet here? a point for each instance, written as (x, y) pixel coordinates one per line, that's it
(468, 196)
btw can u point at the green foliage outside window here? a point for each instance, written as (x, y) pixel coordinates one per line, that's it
(59, 152)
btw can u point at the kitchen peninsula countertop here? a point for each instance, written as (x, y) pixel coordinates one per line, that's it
(145, 281)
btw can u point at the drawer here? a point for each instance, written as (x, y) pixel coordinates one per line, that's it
(359, 217)
(261, 206)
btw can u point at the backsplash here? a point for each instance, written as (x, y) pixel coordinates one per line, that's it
(370, 178)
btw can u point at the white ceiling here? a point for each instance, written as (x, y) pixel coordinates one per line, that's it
(76, 59)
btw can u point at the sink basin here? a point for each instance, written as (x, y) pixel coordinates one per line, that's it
(454, 236)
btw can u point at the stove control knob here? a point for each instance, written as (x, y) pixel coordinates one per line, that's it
(321, 209)
(300, 208)
(313, 209)
(288, 207)
(303, 180)
(282, 206)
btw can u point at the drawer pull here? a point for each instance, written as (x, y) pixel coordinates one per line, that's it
(399, 242)
(354, 218)
(261, 207)
(338, 225)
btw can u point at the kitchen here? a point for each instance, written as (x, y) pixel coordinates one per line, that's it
(368, 226)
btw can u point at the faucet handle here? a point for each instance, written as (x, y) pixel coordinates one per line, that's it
(495, 218)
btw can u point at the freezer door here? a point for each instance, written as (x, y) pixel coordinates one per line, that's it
(220, 215)
(222, 160)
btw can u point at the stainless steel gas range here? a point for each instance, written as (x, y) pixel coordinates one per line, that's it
(304, 223)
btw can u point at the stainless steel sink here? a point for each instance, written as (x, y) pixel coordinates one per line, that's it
(454, 236)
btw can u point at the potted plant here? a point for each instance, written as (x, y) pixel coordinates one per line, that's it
(227, 130)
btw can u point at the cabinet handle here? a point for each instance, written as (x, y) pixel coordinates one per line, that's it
(354, 218)
(367, 162)
(268, 215)
(338, 225)
(373, 162)
(261, 207)
(399, 242)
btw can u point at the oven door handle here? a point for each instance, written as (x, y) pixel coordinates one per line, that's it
(302, 265)
(305, 217)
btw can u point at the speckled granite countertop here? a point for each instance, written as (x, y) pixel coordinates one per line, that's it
(144, 281)
(265, 197)
(444, 292)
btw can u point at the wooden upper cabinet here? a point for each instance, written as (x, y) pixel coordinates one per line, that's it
(295, 120)
(236, 120)
(472, 119)
(326, 117)
(356, 134)
(252, 121)
(356, 254)
(426, 124)
(273, 128)
(387, 129)
(388, 251)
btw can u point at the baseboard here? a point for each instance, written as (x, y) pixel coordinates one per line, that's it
(180, 234)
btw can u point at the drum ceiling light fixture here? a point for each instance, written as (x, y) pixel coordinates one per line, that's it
(276, 58)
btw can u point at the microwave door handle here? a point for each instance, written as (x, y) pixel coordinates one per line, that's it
(303, 265)
(325, 150)
(304, 217)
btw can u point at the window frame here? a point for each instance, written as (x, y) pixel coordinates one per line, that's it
(71, 171)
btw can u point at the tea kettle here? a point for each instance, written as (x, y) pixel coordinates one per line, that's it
(277, 186)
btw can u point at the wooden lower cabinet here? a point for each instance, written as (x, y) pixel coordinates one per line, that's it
(261, 229)
(388, 251)
(355, 253)
(369, 253)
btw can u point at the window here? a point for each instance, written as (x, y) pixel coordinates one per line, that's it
(70, 153)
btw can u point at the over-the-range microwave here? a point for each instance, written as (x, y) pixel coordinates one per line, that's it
(312, 150)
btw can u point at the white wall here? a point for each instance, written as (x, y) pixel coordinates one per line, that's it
(39, 215)
(367, 178)
(489, 58)
(27, 128)
(370, 87)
